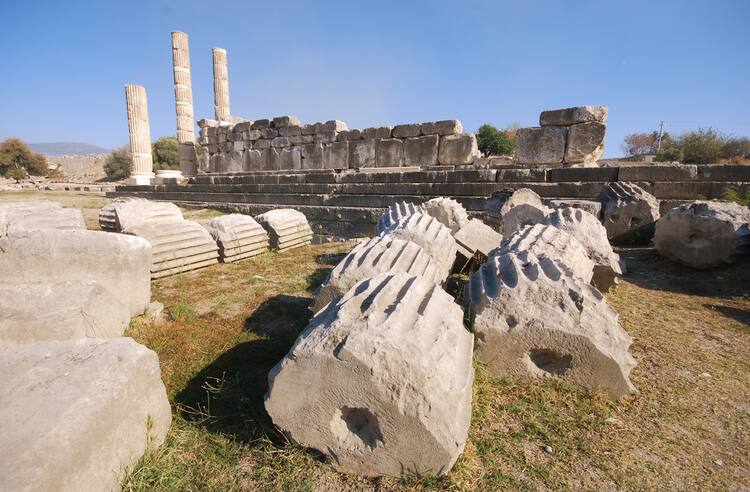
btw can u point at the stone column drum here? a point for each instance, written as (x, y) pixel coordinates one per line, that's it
(142, 172)
(183, 94)
(221, 84)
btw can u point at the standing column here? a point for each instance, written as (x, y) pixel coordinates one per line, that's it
(140, 135)
(221, 84)
(183, 95)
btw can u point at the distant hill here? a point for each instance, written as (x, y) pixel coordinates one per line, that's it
(66, 148)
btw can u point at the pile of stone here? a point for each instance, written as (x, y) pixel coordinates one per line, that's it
(704, 234)
(40, 214)
(287, 228)
(124, 212)
(238, 237)
(629, 213)
(284, 143)
(570, 137)
(66, 297)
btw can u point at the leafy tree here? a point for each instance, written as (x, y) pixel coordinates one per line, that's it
(118, 163)
(671, 154)
(646, 143)
(17, 160)
(701, 146)
(492, 141)
(735, 147)
(166, 152)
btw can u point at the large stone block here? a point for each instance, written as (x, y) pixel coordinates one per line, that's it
(704, 234)
(119, 263)
(420, 151)
(628, 213)
(476, 237)
(312, 156)
(573, 116)
(444, 127)
(389, 152)
(289, 159)
(287, 228)
(41, 214)
(380, 381)
(336, 155)
(377, 132)
(290, 131)
(522, 335)
(458, 149)
(282, 121)
(409, 130)
(78, 415)
(63, 311)
(585, 143)
(361, 153)
(333, 126)
(238, 236)
(253, 160)
(124, 212)
(545, 145)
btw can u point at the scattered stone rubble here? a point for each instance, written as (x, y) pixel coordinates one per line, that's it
(704, 234)
(125, 212)
(380, 381)
(532, 319)
(238, 236)
(476, 239)
(287, 228)
(628, 213)
(524, 207)
(571, 136)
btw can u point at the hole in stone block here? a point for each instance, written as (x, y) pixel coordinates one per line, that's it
(355, 427)
(551, 361)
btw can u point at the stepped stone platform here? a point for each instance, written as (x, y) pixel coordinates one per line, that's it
(349, 203)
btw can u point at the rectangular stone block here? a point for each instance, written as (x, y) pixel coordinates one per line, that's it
(585, 142)
(253, 135)
(333, 126)
(657, 172)
(404, 131)
(238, 146)
(545, 145)
(242, 127)
(259, 124)
(458, 149)
(336, 155)
(325, 136)
(205, 123)
(521, 175)
(288, 131)
(444, 127)
(361, 153)
(280, 142)
(312, 155)
(270, 157)
(377, 133)
(310, 129)
(269, 132)
(421, 151)
(281, 121)
(582, 174)
(572, 116)
(253, 161)
(301, 139)
(261, 144)
(389, 152)
(289, 158)
(724, 172)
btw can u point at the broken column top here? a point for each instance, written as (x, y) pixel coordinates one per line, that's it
(572, 116)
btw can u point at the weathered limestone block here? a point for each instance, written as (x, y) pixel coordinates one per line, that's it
(336, 155)
(253, 160)
(312, 155)
(41, 214)
(572, 116)
(280, 142)
(444, 127)
(533, 320)
(310, 128)
(590, 206)
(361, 153)
(287, 228)
(545, 145)
(547, 240)
(458, 149)
(593, 236)
(282, 121)
(62, 311)
(421, 151)
(476, 237)
(629, 213)
(290, 131)
(389, 152)
(289, 159)
(493, 162)
(524, 207)
(325, 136)
(377, 132)
(234, 161)
(380, 381)
(78, 414)
(405, 131)
(448, 211)
(117, 262)
(395, 213)
(429, 233)
(270, 158)
(333, 126)
(238, 236)
(585, 143)
(381, 254)
(704, 234)
(124, 212)
(177, 245)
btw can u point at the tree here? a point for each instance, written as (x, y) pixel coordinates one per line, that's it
(647, 143)
(735, 147)
(670, 154)
(701, 146)
(166, 152)
(118, 163)
(492, 141)
(18, 161)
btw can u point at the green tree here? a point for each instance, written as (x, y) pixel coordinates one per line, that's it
(118, 163)
(492, 141)
(735, 147)
(166, 152)
(670, 154)
(701, 146)
(18, 161)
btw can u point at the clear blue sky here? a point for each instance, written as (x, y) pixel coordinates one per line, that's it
(64, 64)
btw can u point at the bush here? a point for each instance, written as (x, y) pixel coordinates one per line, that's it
(166, 152)
(734, 195)
(672, 154)
(118, 163)
(17, 160)
(492, 141)
(735, 148)
(701, 146)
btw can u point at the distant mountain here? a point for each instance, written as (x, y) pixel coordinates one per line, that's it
(66, 148)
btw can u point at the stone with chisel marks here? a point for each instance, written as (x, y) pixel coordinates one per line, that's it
(395, 213)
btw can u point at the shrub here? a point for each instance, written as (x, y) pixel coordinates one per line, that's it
(17, 160)
(166, 152)
(701, 146)
(671, 154)
(118, 163)
(492, 141)
(736, 148)
(732, 194)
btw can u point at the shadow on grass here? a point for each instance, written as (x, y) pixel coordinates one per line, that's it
(736, 314)
(649, 270)
(280, 316)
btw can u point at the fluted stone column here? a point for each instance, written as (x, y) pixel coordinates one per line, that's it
(221, 84)
(183, 94)
(142, 172)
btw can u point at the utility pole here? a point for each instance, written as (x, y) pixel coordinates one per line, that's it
(658, 139)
